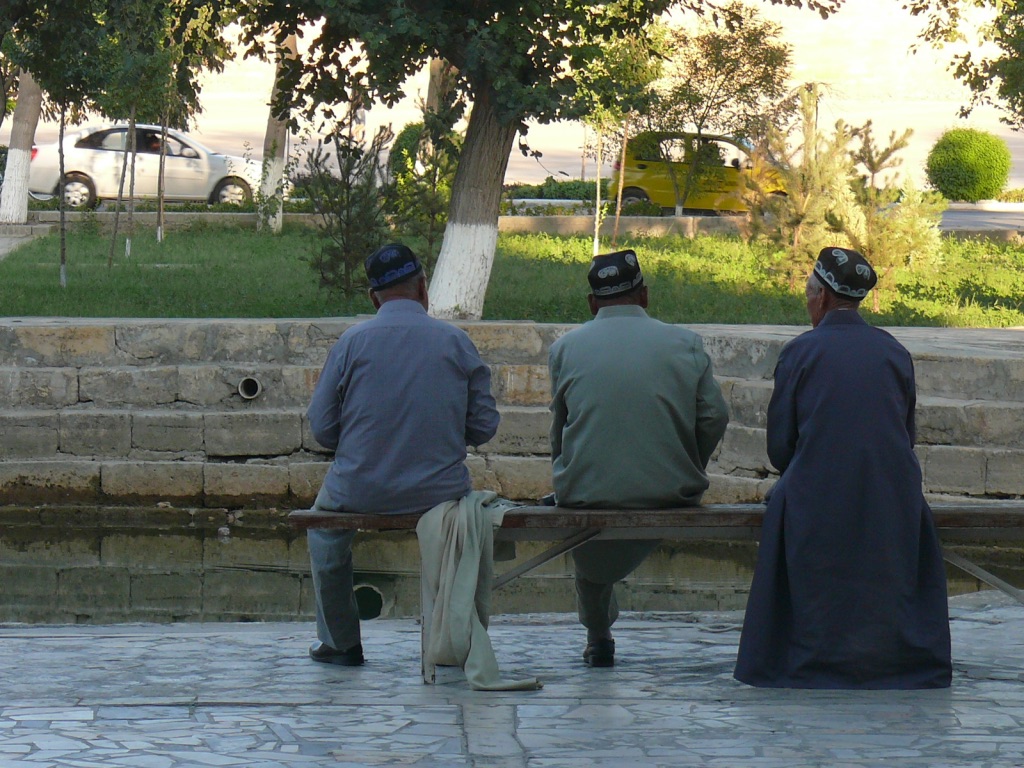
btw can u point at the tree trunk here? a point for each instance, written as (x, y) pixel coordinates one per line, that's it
(275, 145)
(161, 178)
(129, 143)
(622, 178)
(60, 196)
(134, 149)
(597, 193)
(459, 283)
(438, 84)
(14, 195)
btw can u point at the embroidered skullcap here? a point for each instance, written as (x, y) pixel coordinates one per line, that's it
(613, 274)
(391, 264)
(845, 272)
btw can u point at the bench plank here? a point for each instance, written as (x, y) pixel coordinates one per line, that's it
(956, 520)
(1002, 519)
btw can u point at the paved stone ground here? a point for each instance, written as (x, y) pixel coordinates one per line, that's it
(158, 696)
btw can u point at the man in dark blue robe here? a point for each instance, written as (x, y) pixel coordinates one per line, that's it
(849, 590)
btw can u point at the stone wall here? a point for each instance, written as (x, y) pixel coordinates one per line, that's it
(148, 411)
(138, 483)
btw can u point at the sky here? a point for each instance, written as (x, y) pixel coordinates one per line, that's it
(863, 53)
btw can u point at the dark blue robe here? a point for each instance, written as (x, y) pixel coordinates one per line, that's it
(849, 590)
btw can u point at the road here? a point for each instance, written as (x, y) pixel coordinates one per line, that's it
(991, 216)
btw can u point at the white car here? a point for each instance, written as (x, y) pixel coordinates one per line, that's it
(93, 158)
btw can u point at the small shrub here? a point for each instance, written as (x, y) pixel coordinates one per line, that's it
(423, 171)
(1012, 196)
(641, 208)
(969, 165)
(554, 189)
(349, 190)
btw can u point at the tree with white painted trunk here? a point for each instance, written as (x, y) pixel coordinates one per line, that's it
(14, 193)
(463, 268)
(514, 61)
(275, 146)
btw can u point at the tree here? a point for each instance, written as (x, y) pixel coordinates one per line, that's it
(14, 193)
(514, 61)
(995, 78)
(422, 171)
(815, 170)
(613, 91)
(275, 145)
(56, 40)
(729, 77)
(107, 54)
(352, 204)
(152, 53)
(892, 226)
(828, 202)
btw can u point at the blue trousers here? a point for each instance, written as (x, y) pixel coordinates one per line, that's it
(330, 560)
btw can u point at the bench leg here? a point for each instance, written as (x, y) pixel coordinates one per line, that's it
(548, 554)
(429, 670)
(980, 573)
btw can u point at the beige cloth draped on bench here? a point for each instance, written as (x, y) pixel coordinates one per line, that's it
(456, 540)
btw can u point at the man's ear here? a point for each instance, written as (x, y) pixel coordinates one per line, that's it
(374, 300)
(592, 303)
(643, 297)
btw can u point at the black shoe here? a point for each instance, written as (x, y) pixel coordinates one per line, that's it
(322, 652)
(600, 653)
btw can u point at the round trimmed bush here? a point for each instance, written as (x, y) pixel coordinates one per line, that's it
(969, 165)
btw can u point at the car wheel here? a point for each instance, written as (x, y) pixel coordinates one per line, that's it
(79, 191)
(232, 190)
(631, 195)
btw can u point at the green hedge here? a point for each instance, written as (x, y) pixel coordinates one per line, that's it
(554, 189)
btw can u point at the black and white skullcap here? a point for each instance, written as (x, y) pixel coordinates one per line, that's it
(845, 272)
(614, 274)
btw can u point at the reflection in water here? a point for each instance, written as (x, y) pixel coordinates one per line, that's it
(81, 564)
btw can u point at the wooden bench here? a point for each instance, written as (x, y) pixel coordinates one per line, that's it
(959, 521)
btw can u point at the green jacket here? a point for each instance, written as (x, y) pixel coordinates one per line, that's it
(636, 413)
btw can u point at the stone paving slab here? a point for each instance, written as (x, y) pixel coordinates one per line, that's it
(170, 696)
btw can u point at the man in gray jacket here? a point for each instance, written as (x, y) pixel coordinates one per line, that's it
(636, 415)
(399, 399)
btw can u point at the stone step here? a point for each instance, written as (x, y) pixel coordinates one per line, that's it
(264, 483)
(981, 364)
(130, 430)
(242, 386)
(26, 230)
(207, 359)
(262, 386)
(188, 433)
(160, 341)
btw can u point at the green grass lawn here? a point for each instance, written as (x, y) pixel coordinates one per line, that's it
(217, 271)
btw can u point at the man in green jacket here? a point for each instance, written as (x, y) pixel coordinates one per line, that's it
(636, 415)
